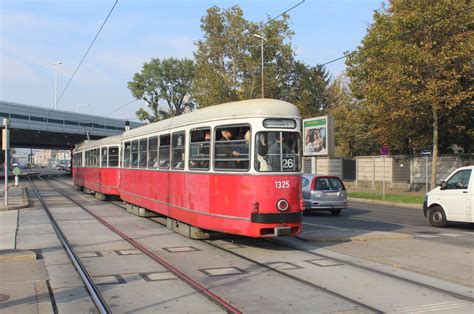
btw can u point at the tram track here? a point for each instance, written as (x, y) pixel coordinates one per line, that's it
(229, 308)
(342, 261)
(86, 278)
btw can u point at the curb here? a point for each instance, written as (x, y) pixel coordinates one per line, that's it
(376, 202)
(356, 238)
(17, 255)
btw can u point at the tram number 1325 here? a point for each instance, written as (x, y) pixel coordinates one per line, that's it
(282, 184)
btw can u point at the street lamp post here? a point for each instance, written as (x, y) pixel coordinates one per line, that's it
(57, 63)
(77, 107)
(262, 39)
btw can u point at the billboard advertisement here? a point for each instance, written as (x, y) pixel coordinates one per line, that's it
(317, 140)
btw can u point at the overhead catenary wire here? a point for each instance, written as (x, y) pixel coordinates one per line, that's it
(441, 18)
(121, 107)
(282, 13)
(87, 51)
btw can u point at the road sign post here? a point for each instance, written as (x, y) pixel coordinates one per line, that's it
(426, 153)
(16, 172)
(383, 153)
(5, 144)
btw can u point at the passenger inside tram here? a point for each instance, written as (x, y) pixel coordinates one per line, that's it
(230, 152)
(199, 153)
(262, 151)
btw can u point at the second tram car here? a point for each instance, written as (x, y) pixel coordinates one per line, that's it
(96, 166)
(232, 168)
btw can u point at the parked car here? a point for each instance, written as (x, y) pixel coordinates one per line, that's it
(323, 193)
(452, 200)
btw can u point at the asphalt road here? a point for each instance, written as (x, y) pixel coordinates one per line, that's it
(375, 217)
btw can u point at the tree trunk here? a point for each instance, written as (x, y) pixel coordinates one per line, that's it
(434, 161)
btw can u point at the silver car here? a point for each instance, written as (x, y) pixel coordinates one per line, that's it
(323, 193)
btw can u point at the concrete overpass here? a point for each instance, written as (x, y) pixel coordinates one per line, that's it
(38, 127)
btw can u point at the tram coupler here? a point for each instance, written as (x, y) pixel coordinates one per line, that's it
(282, 231)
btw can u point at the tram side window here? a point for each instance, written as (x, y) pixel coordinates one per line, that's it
(126, 154)
(87, 159)
(177, 156)
(164, 151)
(199, 149)
(277, 152)
(97, 158)
(232, 144)
(134, 155)
(91, 157)
(143, 146)
(153, 152)
(113, 156)
(103, 157)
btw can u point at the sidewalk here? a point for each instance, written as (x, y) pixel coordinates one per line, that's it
(23, 279)
(17, 198)
(8, 226)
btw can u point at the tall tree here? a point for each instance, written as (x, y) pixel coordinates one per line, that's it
(413, 69)
(168, 80)
(228, 58)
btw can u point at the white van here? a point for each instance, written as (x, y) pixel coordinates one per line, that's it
(453, 200)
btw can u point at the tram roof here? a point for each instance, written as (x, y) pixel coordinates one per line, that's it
(110, 140)
(239, 109)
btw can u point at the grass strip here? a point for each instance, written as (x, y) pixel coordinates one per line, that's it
(395, 198)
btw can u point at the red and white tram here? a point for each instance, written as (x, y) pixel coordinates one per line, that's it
(96, 166)
(232, 168)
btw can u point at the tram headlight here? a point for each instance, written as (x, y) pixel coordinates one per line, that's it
(282, 205)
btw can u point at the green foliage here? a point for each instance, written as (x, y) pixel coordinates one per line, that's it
(309, 89)
(228, 63)
(169, 80)
(413, 75)
(353, 126)
(395, 198)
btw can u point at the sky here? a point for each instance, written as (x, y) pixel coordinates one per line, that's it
(36, 33)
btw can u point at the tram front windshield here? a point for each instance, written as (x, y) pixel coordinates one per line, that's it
(277, 151)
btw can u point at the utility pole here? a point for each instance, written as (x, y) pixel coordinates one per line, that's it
(262, 39)
(6, 144)
(57, 63)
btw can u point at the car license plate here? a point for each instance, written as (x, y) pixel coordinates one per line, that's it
(332, 194)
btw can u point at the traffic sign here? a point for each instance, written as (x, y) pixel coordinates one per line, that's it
(426, 152)
(16, 171)
(384, 151)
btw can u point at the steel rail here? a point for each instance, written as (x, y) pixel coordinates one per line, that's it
(80, 268)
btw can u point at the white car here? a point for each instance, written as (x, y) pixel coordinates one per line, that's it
(453, 200)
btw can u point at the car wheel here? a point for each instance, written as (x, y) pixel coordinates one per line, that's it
(437, 217)
(336, 212)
